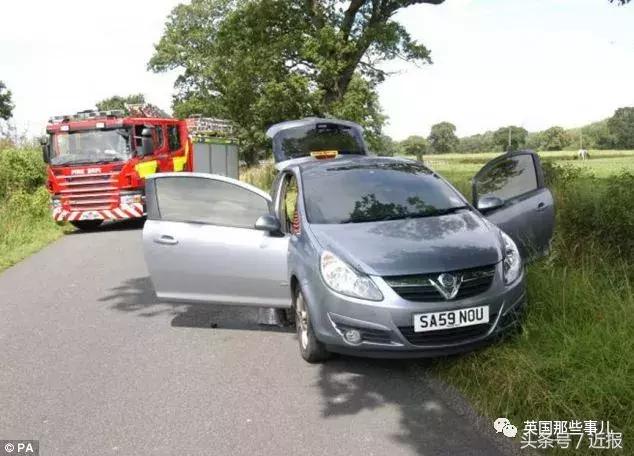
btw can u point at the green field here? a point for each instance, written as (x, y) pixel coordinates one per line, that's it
(601, 163)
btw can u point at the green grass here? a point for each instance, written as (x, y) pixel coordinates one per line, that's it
(573, 360)
(25, 226)
(25, 219)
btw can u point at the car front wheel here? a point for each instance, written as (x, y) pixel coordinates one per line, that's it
(310, 348)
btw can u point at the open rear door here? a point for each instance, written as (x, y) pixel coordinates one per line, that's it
(527, 211)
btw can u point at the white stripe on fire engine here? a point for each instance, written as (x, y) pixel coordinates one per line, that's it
(120, 213)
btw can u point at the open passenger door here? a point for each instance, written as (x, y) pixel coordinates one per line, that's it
(510, 192)
(201, 243)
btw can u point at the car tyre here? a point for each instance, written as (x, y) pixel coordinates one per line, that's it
(87, 225)
(310, 348)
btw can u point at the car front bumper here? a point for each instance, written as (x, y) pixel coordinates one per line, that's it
(387, 326)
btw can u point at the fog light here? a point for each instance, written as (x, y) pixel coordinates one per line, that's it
(352, 336)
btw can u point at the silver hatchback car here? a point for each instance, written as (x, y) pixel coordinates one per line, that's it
(372, 256)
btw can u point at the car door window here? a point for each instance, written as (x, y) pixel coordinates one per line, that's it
(508, 178)
(159, 137)
(289, 216)
(208, 201)
(173, 138)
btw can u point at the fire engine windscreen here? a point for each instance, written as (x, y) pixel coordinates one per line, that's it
(303, 140)
(90, 146)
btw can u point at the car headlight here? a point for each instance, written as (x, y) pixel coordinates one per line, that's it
(512, 260)
(131, 198)
(343, 279)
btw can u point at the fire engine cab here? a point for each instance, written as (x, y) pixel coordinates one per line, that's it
(98, 160)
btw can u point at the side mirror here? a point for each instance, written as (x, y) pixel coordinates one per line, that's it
(268, 223)
(489, 203)
(45, 149)
(147, 144)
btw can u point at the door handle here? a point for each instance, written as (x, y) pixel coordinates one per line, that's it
(166, 239)
(541, 207)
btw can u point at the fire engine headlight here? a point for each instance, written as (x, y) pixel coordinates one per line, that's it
(56, 202)
(131, 198)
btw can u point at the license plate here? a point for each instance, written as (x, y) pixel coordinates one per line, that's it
(451, 319)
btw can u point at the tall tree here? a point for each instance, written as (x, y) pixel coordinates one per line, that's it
(119, 102)
(621, 128)
(414, 145)
(257, 62)
(517, 136)
(6, 104)
(442, 138)
(555, 138)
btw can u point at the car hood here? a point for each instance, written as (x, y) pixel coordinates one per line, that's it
(414, 246)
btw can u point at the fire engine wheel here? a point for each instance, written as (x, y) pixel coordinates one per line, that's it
(87, 225)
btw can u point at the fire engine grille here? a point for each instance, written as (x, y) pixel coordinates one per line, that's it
(89, 192)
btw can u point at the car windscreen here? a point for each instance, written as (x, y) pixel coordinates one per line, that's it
(302, 141)
(376, 191)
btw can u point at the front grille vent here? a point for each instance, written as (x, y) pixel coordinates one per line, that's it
(420, 288)
(89, 192)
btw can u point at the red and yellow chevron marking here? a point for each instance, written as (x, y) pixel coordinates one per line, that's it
(123, 212)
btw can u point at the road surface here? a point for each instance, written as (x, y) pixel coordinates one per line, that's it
(92, 364)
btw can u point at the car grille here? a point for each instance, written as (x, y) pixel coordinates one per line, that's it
(89, 192)
(447, 336)
(420, 288)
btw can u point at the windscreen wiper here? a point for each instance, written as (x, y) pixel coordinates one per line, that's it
(412, 215)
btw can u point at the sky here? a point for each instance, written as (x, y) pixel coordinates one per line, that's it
(533, 63)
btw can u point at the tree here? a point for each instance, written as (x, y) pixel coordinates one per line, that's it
(386, 146)
(442, 138)
(517, 137)
(414, 145)
(6, 105)
(621, 128)
(555, 138)
(119, 102)
(477, 143)
(261, 61)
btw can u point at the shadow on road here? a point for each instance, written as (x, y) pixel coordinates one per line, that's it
(351, 386)
(137, 296)
(122, 225)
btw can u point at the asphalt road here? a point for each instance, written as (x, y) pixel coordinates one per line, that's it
(92, 364)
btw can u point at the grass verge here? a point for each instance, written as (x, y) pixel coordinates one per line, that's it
(25, 226)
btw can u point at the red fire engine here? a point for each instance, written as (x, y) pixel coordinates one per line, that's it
(98, 161)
